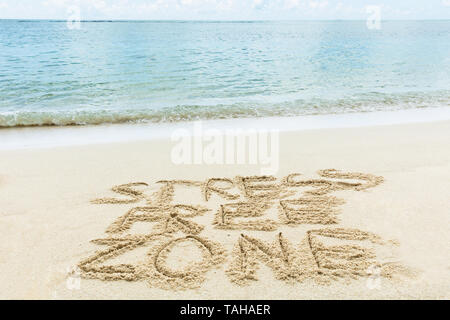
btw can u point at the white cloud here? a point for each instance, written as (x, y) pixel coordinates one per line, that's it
(186, 2)
(196, 2)
(225, 4)
(99, 4)
(318, 4)
(54, 3)
(290, 4)
(258, 4)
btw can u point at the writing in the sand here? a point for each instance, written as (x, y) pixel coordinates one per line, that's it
(180, 214)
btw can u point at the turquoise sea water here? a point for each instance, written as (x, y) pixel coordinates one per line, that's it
(169, 71)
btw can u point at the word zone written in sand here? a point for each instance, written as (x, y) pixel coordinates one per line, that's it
(171, 237)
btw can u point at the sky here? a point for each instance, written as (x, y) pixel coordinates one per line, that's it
(223, 9)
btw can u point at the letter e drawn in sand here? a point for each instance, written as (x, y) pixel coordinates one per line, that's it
(310, 210)
(260, 193)
(225, 216)
(349, 261)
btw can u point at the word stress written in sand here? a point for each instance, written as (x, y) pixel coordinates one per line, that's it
(192, 227)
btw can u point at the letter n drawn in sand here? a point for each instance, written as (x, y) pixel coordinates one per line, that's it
(279, 256)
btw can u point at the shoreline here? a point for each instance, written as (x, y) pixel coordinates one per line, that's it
(49, 137)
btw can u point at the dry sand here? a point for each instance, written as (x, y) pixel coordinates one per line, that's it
(377, 227)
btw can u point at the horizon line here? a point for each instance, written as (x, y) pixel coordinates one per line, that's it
(209, 20)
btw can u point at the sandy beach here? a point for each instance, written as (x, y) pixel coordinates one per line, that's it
(386, 205)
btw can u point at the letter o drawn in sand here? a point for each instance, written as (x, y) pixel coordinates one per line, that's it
(161, 258)
(193, 273)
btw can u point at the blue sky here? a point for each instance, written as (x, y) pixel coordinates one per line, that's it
(223, 9)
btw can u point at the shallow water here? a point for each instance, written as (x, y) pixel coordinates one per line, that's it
(109, 72)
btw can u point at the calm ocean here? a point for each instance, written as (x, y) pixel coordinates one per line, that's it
(109, 72)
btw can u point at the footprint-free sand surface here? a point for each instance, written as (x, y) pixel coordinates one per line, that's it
(351, 213)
